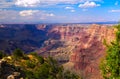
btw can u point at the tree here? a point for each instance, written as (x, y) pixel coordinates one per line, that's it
(110, 66)
(40, 58)
(2, 54)
(18, 53)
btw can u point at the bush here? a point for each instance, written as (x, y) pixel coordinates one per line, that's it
(2, 54)
(40, 59)
(18, 54)
(110, 66)
(30, 64)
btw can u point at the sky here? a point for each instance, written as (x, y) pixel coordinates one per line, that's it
(59, 11)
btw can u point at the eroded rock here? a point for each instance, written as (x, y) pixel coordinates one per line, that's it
(8, 71)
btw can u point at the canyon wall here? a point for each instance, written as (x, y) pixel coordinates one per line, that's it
(82, 47)
(78, 47)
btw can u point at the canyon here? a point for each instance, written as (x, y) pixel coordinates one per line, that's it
(82, 47)
(77, 47)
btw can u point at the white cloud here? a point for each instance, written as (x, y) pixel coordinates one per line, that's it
(33, 3)
(50, 14)
(8, 15)
(12, 16)
(6, 3)
(28, 12)
(27, 3)
(88, 4)
(69, 8)
(72, 10)
(115, 11)
(65, 1)
(35, 13)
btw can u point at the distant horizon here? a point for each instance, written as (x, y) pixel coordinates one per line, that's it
(108, 22)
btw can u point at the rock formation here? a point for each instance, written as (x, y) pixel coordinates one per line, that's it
(78, 47)
(8, 71)
(83, 46)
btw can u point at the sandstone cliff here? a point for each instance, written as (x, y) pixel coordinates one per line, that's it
(81, 47)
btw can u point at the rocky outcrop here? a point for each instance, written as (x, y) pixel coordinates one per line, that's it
(8, 71)
(83, 46)
(88, 54)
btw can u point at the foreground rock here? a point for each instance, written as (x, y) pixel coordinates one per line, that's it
(8, 71)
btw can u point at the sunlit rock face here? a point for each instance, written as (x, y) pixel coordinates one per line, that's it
(83, 46)
(90, 49)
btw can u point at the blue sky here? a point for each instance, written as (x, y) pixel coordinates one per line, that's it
(59, 11)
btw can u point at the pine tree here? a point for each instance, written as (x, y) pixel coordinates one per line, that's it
(110, 66)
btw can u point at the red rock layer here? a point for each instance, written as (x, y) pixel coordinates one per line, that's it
(88, 48)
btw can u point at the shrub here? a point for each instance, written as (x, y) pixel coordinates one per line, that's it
(18, 53)
(110, 66)
(30, 64)
(2, 54)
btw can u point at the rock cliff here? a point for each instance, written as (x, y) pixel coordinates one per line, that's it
(81, 46)
(77, 47)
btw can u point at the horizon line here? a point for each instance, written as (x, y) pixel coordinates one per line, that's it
(106, 22)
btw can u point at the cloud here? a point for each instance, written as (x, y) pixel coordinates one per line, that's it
(114, 10)
(65, 1)
(28, 12)
(88, 4)
(8, 15)
(59, 1)
(12, 16)
(35, 13)
(69, 8)
(6, 3)
(72, 10)
(27, 3)
(34, 3)
(50, 14)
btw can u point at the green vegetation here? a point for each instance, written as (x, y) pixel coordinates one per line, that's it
(35, 66)
(18, 53)
(110, 66)
(2, 54)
